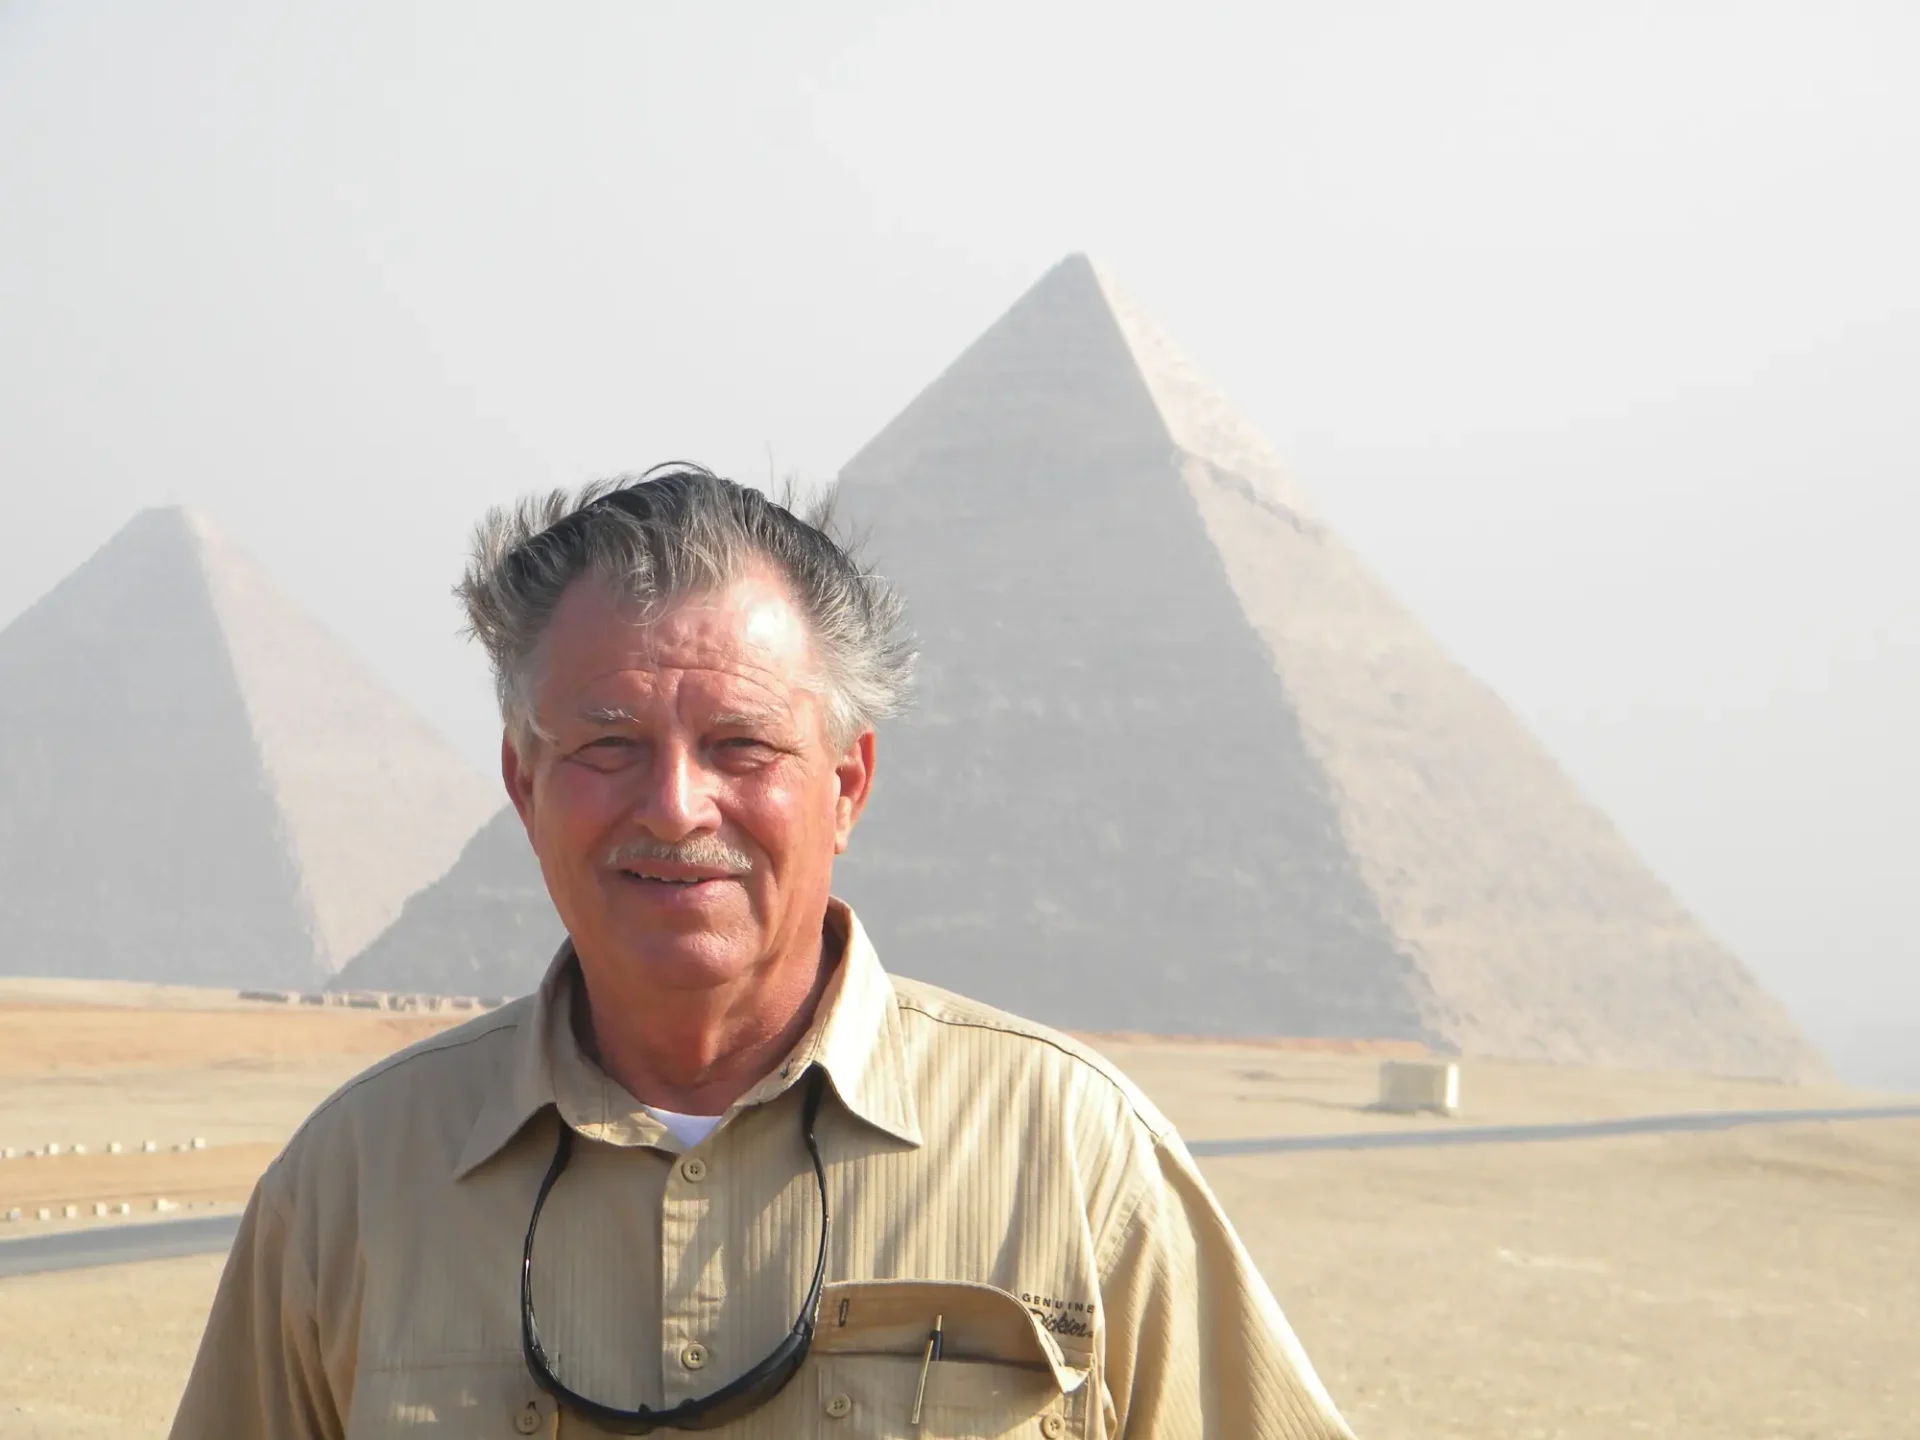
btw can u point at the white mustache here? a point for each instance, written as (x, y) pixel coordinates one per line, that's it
(707, 851)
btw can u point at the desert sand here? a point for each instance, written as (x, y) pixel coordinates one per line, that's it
(1758, 1284)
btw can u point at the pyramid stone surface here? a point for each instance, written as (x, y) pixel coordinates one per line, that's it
(198, 784)
(1179, 764)
(486, 927)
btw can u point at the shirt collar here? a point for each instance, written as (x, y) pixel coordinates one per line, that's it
(855, 1037)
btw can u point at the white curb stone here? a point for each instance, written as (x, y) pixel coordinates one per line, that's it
(43, 1213)
(164, 1204)
(99, 1208)
(199, 1142)
(14, 1214)
(114, 1147)
(53, 1148)
(72, 1212)
(148, 1147)
(123, 1208)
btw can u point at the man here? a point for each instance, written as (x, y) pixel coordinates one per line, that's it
(722, 1172)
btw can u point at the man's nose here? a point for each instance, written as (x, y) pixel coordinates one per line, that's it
(678, 799)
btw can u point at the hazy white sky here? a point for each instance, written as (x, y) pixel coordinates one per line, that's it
(1596, 329)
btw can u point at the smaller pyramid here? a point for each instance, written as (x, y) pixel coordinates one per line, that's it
(486, 927)
(198, 783)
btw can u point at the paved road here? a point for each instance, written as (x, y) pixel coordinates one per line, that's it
(116, 1244)
(212, 1234)
(1562, 1130)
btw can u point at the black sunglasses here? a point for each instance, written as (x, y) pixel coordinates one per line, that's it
(738, 1397)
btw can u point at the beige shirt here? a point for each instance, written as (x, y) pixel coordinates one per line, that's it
(980, 1169)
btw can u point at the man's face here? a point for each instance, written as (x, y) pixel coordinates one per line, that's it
(687, 807)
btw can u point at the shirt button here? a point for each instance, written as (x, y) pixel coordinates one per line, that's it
(527, 1418)
(1053, 1426)
(694, 1356)
(694, 1169)
(840, 1406)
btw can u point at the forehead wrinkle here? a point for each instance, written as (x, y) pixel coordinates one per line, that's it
(769, 653)
(770, 624)
(729, 709)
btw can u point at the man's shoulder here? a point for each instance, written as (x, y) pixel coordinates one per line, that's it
(1013, 1039)
(443, 1078)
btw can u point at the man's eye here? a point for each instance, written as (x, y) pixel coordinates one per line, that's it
(607, 750)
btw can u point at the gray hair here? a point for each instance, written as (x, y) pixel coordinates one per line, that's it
(669, 534)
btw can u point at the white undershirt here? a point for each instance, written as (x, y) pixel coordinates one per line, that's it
(689, 1130)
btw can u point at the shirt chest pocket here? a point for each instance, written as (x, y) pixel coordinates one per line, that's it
(998, 1372)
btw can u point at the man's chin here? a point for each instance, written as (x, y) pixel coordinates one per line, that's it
(686, 962)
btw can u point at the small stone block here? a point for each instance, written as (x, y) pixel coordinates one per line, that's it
(114, 1147)
(1412, 1085)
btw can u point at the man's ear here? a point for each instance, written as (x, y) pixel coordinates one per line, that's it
(855, 775)
(518, 775)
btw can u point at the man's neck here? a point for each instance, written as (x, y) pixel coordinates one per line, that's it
(697, 1052)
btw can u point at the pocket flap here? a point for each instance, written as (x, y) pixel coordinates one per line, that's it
(977, 1322)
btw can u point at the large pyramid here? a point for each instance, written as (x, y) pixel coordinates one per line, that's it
(198, 784)
(1180, 765)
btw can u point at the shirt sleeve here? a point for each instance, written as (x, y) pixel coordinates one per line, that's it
(1196, 1346)
(259, 1374)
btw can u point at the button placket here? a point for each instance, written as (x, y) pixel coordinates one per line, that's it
(687, 1315)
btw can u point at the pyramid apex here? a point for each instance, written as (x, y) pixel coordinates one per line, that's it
(1075, 356)
(154, 516)
(163, 520)
(1076, 266)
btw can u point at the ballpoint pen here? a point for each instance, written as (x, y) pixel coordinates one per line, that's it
(926, 1364)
